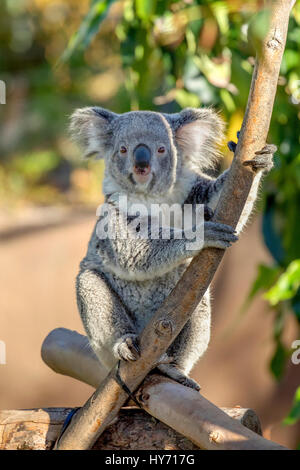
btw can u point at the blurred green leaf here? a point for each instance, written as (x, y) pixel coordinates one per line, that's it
(294, 414)
(271, 231)
(220, 11)
(290, 60)
(287, 285)
(295, 305)
(36, 164)
(240, 78)
(88, 28)
(278, 360)
(145, 9)
(258, 28)
(265, 278)
(186, 100)
(294, 35)
(227, 100)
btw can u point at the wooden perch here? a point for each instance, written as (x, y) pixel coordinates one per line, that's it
(38, 429)
(183, 409)
(103, 406)
(68, 353)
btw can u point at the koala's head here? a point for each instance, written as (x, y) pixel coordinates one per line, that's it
(146, 151)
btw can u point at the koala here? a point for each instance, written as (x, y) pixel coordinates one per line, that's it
(151, 158)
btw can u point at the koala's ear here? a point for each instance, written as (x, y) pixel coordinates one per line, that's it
(198, 132)
(92, 129)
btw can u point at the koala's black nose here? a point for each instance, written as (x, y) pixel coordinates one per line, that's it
(142, 156)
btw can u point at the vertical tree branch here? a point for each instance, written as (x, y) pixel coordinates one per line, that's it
(103, 406)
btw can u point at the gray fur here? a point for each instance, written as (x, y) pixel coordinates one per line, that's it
(123, 281)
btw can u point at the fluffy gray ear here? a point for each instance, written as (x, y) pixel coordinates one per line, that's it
(198, 133)
(91, 128)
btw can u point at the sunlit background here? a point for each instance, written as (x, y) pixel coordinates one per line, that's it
(126, 55)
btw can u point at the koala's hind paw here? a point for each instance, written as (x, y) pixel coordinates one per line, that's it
(127, 348)
(263, 159)
(178, 375)
(218, 235)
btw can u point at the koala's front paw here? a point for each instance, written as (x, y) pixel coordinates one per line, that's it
(218, 235)
(263, 160)
(127, 348)
(178, 375)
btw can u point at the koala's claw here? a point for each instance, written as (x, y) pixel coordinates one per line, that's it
(172, 371)
(218, 235)
(231, 144)
(188, 382)
(128, 348)
(263, 159)
(267, 149)
(208, 213)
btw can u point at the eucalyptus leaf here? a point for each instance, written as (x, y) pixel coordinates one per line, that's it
(88, 28)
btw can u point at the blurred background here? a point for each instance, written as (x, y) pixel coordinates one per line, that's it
(164, 55)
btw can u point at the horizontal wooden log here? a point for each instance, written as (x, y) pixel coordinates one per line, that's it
(134, 429)
(69, 353)
(38, 429)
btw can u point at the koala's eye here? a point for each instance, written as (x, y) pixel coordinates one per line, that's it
(123, 149)
(161, 149)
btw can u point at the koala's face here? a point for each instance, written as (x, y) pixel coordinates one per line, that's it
(144, 150)
(143, 156)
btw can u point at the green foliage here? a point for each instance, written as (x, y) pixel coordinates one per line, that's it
(145, 9)
(294, 414)
(282, 292)
(286, 286)
(34, 166)
(88, 28)
(278, 360)
(266, 277)
(258, 28)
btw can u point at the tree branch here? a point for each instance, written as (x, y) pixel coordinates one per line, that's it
(88, 424)
(184, 410)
